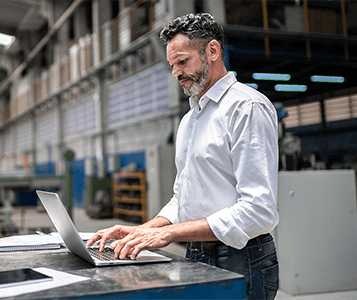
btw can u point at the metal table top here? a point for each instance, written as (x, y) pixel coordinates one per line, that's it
(180, 278)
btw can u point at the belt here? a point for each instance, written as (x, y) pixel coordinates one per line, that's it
(210, 247)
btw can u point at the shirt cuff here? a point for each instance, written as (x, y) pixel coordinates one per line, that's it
(169, 211)
(226, 230)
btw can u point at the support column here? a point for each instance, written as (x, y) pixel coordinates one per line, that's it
(180, 9)
(217, 9)
(33, 153)
(100, 100)
(59, 7)
(96, 31)
(15, 154)
(121, 5)
(60, 163)
(80, 22)
(100, 14)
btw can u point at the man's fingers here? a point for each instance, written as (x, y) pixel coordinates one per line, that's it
(137, 249)
(99, 239)
(124, 247)
(112, 233)
(93, 239)
(103, 241)
(118, 247)
(133, 242)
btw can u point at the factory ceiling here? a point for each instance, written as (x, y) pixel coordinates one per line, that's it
(288, 54)
(20, 15)
(329, 55)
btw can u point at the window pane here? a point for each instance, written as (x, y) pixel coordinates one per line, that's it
(337, 109)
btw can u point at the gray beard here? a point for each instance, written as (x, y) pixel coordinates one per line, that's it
(199, 82)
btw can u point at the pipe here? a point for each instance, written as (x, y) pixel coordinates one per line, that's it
(307, 28)
(266, 26)
(344, 26)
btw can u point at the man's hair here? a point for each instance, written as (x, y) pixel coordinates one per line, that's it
(197, 27)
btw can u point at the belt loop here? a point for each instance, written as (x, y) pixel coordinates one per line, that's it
(259, 243)
(209, 248)
(194, 246)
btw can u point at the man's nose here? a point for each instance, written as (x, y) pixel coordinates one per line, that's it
(176, 71)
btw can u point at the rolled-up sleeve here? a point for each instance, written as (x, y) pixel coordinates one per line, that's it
(254, 154)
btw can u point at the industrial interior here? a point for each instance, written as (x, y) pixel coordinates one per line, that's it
(89, 110)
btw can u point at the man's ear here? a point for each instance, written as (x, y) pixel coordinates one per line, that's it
(213, 50)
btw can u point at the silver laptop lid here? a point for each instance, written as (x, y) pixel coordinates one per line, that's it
(64, 224)
(73, 241)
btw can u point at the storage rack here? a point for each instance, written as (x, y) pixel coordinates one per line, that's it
(129, 195)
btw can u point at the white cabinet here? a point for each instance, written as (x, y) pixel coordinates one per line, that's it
(316, 236)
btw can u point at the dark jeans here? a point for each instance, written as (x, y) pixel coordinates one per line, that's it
(257, 261)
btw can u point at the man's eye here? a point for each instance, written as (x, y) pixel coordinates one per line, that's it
(182, 62)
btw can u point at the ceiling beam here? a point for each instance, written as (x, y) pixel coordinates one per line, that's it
(10, 79)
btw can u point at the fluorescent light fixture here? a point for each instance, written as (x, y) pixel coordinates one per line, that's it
(290, 88)
(271, 76)
(253, 85)
(6, 40)
(330, 79)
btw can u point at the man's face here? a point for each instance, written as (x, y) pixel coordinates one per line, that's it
(188, 66)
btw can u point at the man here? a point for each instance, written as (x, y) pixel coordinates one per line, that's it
(224, 201)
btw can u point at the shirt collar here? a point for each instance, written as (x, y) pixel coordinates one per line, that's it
(215, 93)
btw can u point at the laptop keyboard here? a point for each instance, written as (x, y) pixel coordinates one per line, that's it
(106, 255)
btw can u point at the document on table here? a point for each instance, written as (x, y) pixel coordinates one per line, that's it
(35, 241)
(59, 279)
(29, 242)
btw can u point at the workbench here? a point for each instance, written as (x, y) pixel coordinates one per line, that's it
(178, 279)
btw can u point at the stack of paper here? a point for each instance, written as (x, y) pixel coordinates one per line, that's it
(29, 242)
(36, 242)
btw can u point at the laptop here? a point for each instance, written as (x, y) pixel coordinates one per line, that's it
(75, 244)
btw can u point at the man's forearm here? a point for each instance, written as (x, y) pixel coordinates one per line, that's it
(156, 223)
(192, 231)
(198, 230)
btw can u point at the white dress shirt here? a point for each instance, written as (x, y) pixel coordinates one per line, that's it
(227, 163)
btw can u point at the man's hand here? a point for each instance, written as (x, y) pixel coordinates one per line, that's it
(113, 233)
(139, 239)
(157, 233)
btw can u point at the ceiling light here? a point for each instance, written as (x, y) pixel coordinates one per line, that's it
(271, 76)
(253, 85)
(330, 79)
(6, 40)
(290, 88)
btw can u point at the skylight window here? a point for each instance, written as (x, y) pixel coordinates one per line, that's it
(6, 40)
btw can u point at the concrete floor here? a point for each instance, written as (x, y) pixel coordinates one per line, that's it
(35, 218)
